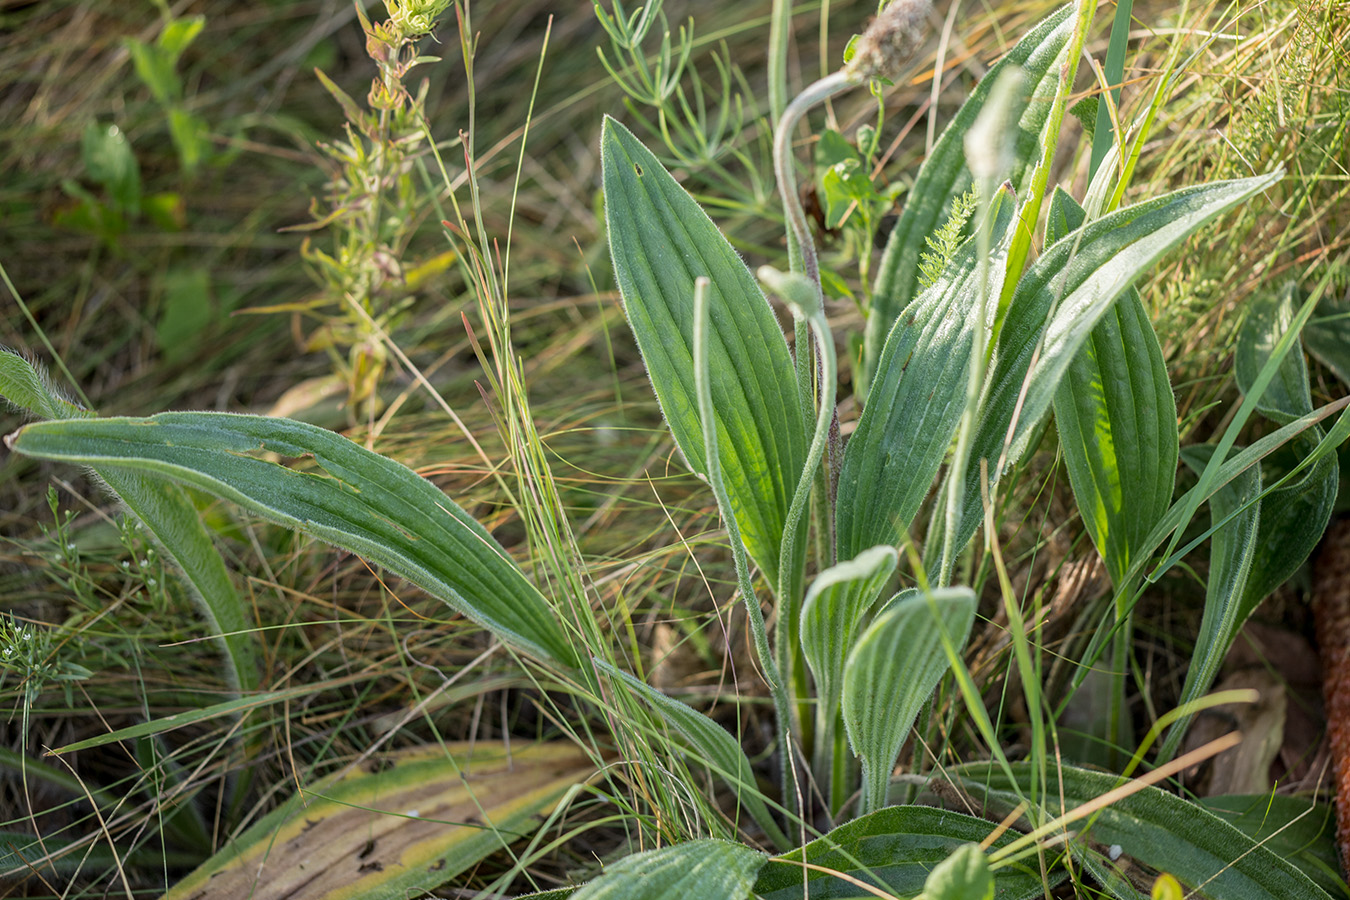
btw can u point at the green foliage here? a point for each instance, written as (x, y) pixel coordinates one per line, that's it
(942, 243)
(964, 875)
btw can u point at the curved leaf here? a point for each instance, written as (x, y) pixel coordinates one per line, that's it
(1328, 335)
(835, 605)
(712, 744)
(892, 672)
(965, 875)
(1287, 395)
(1156, 828)
(1296, 828)
(893, 849)
(1061, 299)
(661, 241)
(945, 175)
(411, 822)
(1230, 561)
(916, 401)
(703, 868)
(1117, 421)
(361, 501)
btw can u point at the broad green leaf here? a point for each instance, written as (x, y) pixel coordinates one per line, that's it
(893, 849)
(892, 672)
(109, 160)
(1230, 560)
(1328, 336)
(1156, 828)
(1287, 396)
(1061, 299)
(965, 875)
(916, 400)
(361, 501)
(1296, 828)
(835, 605)
(709, 742)
(168, 513)
(404, 823)
(704, 868)
(945, 176)
(1117, 422)
(842, 177)
(661, 242)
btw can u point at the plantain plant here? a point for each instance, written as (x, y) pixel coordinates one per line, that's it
(963, 369)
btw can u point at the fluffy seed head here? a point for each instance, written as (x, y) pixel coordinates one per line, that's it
(889, 42)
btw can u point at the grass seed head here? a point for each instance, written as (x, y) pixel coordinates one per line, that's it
(888, 43)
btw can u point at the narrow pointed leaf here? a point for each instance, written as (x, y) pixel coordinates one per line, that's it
(661, 241)
(892, 849)
(1117, 421)
(360, 501)
(1230, 561)
(23, 386)
(709, 742)
(916, 400)
(704, 868)
(945, 176)
(835, 605)
(1296, 828)
(408, 823)
(1077, 279)
(892, 672)
(1156, 828)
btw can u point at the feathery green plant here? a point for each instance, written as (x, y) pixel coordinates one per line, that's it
(964, 370)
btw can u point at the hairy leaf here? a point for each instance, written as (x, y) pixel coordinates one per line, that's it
(661, 242)
(891, 673)
(945, 176)
(1117, 422)
(360, 501)
(703, 868)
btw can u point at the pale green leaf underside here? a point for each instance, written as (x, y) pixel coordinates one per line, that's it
(945, 176)
(360, 501)
(703, 868)
(891, 673)
(661, 241)
(1158, 829)
(1117, 421)
(1070, 287)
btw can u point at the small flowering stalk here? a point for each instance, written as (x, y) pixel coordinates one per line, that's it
(374, 205)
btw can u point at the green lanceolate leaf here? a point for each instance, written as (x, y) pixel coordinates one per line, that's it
(893, 850)
(1059, 302)
(710, 742)
(835, 605)
(406, 824)
(661, 242)
(891, 673)
(1156, 828)
(23, 386)
(916, 400)
(1117, 422)
(965, 875)
(945, 176)
(1230, 561)
(704, 868)
(1295, 828)
(361, 501)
